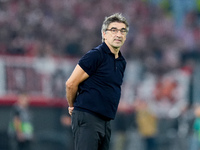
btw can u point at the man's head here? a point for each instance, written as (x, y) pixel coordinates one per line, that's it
(114, 30)
(23, 100)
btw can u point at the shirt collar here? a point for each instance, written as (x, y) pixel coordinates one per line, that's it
(106, 48)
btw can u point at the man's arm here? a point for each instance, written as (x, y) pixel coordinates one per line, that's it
(77, 76)
(18, 127)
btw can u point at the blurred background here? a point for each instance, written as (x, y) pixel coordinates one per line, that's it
(41, 41)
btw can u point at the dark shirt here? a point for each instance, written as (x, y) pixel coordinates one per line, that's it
(100, 93)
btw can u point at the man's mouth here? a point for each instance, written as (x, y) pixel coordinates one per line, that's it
(118, 40)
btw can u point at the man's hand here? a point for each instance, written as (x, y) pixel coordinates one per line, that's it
(70, 109)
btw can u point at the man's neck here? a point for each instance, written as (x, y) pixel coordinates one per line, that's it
(114, 50)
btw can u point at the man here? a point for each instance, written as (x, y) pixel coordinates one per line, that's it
(20, 127)
(94, 88)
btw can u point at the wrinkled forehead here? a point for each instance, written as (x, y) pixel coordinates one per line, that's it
(118, 25)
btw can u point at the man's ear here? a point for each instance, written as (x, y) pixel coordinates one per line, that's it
(104, 35)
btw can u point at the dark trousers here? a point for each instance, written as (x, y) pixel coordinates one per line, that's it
(150, 143)
(15, 144)
(25, 145)
(90, 132)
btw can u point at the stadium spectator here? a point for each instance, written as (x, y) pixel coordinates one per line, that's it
(147, 125)
(195, 142)
(21, 127)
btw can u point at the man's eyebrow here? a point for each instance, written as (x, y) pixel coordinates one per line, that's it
(113, 28)
(116, 28)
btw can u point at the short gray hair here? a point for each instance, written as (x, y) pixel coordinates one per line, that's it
(117, 17)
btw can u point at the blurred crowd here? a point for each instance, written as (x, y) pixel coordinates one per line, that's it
(72, 27)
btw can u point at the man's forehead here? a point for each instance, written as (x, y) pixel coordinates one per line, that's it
(117, 25)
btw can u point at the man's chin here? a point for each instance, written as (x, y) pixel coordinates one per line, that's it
(117, 45)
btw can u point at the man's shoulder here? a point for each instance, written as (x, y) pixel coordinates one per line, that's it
(102, 47)
(98, 51)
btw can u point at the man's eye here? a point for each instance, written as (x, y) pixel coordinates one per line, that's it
(114, 30)
(123, 31)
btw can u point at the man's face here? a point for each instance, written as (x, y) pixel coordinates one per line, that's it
(23, 100)
(115, 35)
